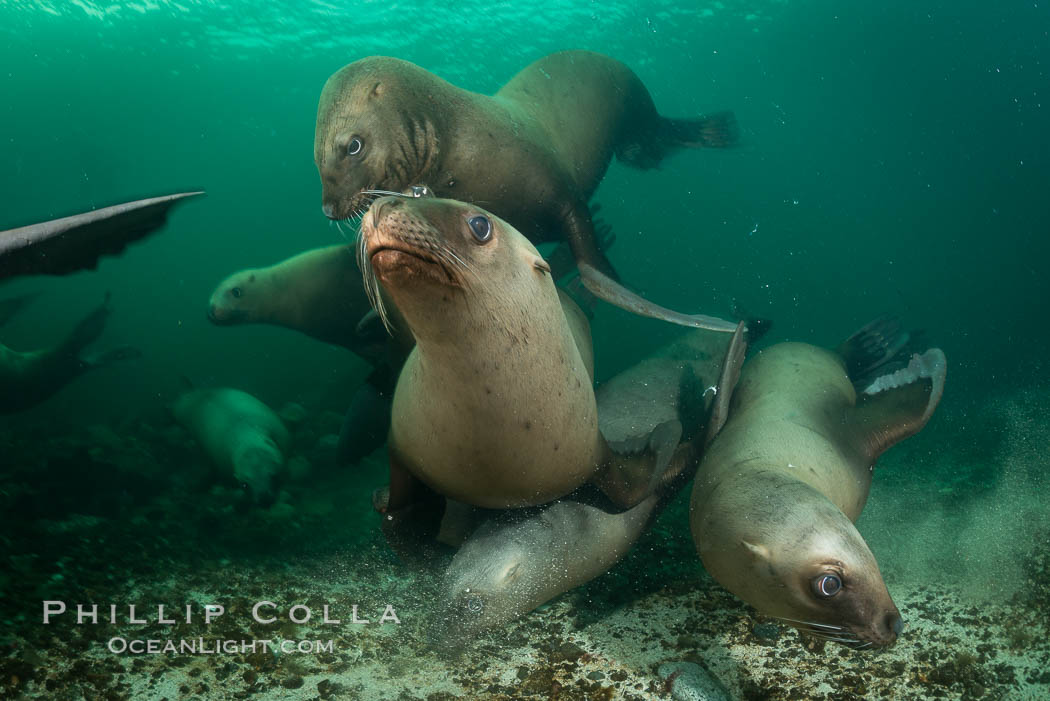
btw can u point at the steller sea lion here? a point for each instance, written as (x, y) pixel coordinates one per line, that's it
(28, 378)
(513, 564)
(240, 434)
(777, 493)
(533, 153)
(495, 405)
(316, 292)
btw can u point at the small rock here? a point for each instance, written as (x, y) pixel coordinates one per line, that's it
(691, 682)
(766, 631)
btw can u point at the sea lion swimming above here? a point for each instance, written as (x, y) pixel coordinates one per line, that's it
(533, 153)
(495, 406)
(777, 493)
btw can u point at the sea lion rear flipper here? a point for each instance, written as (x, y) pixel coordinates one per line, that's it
(898, 404)
(874, 345)
(411, 515)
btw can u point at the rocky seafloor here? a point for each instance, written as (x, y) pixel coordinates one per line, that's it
(132, 515)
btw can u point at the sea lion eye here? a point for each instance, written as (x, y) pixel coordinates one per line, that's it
(827, 585)
(355, 146)
(481, 227)
(475, 604)
(236, 292)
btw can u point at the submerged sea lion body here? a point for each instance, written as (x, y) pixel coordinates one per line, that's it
(533, 153)
(28, 378)
(494, 406)
(509, 567)
(239, 433)
(317, 292)
(776, 494)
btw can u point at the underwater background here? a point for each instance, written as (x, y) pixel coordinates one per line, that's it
(894, 158)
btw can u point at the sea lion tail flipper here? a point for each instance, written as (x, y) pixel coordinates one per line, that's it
(718, 130)
(101, 359)
(898, 404)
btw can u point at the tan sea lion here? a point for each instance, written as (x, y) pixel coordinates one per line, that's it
(316, 292)
(776, 494)
(240, 434)
(513, 564)
(28, 378)
(533, 153)
(495, 405)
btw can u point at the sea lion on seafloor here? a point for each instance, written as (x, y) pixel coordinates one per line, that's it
(533, 153)
(495, 405)
(511, 565)
(776, 494)
(28, 378)
(240, 434)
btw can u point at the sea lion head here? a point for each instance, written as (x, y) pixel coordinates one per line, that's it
(235, 300)
(798, 558)
(256, 466)
(490, 582)
(377, 129)
(432, 255)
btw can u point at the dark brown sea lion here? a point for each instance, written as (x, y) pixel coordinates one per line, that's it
(63, 246)
(28, 378)
(776, 494)
(533, 153)
(495, 405)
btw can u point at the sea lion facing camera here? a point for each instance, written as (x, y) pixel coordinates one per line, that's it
(533, 153)
(494, 406)
(776, 494)
(239, 433)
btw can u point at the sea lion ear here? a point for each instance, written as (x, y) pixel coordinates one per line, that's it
(377, 90)
(511, 573)
(541, 265)
(758, 552)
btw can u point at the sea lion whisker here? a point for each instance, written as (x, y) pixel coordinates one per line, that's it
(834, 639)
(383, 193)
(809, 623)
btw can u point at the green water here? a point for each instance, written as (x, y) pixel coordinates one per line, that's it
(894, 159)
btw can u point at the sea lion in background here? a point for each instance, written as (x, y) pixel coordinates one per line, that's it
(240, 434)
(28, 378)
(533, 154)
(495, 405)
(66, 245)
(509, 567)
(776, 494)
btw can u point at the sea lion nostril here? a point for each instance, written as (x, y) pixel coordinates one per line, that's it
(328, 209)
(896, 623)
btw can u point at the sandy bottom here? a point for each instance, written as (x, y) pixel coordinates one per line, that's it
(962, 535)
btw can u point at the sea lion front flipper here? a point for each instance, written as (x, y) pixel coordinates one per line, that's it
(727, 380)
(63, 246)
(87, 329)
(898, 404)
(367, 420)
(411, 515)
